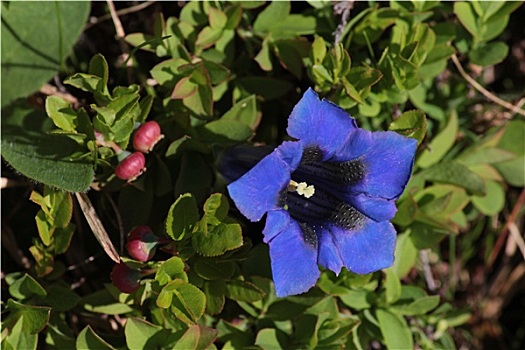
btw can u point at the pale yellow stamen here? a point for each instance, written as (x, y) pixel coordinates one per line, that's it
(302, 188)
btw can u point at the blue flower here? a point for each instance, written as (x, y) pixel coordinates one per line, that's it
(328, 197)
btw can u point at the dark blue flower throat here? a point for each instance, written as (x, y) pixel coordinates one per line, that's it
(310, 198)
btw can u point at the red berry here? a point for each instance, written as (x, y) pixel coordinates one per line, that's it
(146, 136)
(131, 167)
(125, 279)
(141, 232)
(142, 243)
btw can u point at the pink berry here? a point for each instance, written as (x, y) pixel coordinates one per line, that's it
(142, 243)
(131, 167)
(125, 279)
(141, 232)
(146, 136)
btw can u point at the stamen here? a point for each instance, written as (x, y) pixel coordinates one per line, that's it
(302, 188)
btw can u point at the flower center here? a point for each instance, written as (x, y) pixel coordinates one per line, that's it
(302, 188)
(312, 196)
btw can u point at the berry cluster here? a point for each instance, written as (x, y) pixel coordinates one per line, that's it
(132, 165)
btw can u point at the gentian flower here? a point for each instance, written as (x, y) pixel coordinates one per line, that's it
(328, 197)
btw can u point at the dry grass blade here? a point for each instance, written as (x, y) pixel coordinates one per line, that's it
(96, 226)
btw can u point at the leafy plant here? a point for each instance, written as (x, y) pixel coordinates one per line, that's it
(134, 132)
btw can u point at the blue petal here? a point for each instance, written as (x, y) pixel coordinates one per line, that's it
(369, 249)
(388, 163)
(379, 209)
(291, 153)
(258, 191)
(357, 144)
(276, 222)
(329, 256)
(294, 262)
(320, 123)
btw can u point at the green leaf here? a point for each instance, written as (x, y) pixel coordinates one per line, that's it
(489, 54)
(243, 291)
(464, 11)
(213, 270)
(208, 36)
(18, 338)
(411, 124)
(201, 103)
(326, 305)
(197, 337)
(103, 302)
(62, 238)
(513, 141)
(36, 39)
(406, 255)
(351, 91)
(184, 88)
(336, 332)
(456, 174)
(194, 13)
(169, 270)
(218, 72)
(440, 144)
(493, 201)
(425, 236)
(485, 155)
(358, 299)
(493, 28)
(35, 318)
(25, 287)
(44, 226)
(363, 77)
(218, 240)
(195, 176)
(298, 24)
(274, 13)
(420, 306)
(62, 208)
(216, 208)
(392, 286)
(217, 18)
(245, 111)
(88, 340)
(60, 111)
(187, 301)
(61, 298)
(318, 52)
(44, 260)
(45, 158)
(269, 339)
(442, 200)
(406, 212)
(215, 299)
(141, 334)
(395, 331)
(264, 57)
(182, 217)
(83, 81)
(224, 131)
(98, 66)
(116, 120)
(234, 14)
